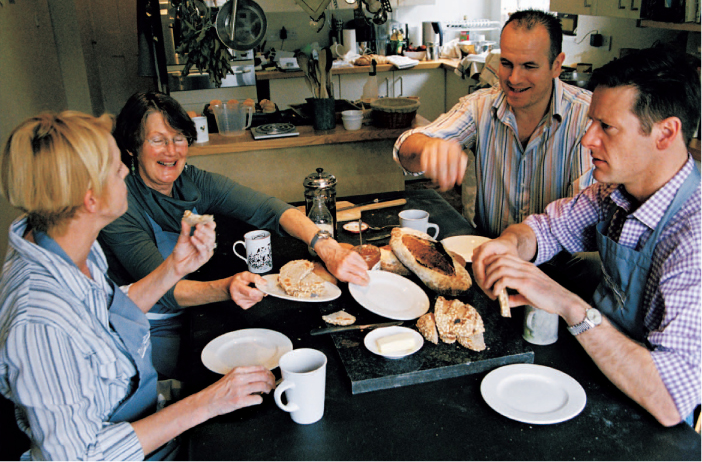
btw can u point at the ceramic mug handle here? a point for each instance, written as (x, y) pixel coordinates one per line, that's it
(237, 253)
(436, 229)
(284, 385)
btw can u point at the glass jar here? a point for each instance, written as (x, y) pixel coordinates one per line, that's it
(325, 184)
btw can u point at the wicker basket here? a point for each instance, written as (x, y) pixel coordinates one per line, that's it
(394, 112)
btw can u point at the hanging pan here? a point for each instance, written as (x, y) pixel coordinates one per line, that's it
(249, 23)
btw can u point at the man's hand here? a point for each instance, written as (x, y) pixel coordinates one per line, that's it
(346, 265)
(534, 287)
(495, 247)
(241, 291)
(444, 162)
(441, 160)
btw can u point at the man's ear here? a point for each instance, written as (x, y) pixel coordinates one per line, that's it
(667, 132)
(557, 64)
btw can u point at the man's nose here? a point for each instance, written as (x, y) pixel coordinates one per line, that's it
(590, 138)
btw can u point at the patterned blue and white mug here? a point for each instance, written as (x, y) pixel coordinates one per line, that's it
(259, 256)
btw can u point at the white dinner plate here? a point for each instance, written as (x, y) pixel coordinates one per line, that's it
(391, 296)
(533, 394)
(464, 245)
(271, 287)
(245, 347)
(372, 337)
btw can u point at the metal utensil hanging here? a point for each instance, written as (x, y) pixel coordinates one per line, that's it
(241, 24)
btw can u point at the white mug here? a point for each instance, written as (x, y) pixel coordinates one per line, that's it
(203, 135)
(259, 256)
(304, 374)
(419, 220)
(540, 327)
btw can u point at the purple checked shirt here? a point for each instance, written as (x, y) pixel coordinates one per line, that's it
(673, 289)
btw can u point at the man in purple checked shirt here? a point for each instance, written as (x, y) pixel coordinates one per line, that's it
(642, 325)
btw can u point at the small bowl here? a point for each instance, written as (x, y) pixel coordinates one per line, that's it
(418, 55)
(352, 124)
(351, 113)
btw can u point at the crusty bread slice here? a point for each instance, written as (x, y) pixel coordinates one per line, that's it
(339, 318)
(193, 219)
(427, 327)
(298, 280)
(458, 321)
(428, 259)
(505, 311)
(390, 263)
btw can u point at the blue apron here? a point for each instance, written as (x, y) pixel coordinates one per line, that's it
(132, 327)
(166, 324)
(625, 271)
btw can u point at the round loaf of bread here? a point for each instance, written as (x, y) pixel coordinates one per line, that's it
(428, 259)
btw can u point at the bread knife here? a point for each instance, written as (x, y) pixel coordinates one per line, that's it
(329, 330)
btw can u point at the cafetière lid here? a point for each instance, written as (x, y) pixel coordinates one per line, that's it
(320, 180)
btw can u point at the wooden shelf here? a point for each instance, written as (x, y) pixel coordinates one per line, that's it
(685, 26)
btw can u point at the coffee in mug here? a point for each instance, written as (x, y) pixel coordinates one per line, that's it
(304, 372)
(259, 256)
(419, 220)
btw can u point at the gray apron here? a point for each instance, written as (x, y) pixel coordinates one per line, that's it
(131, 325)
(625, 271)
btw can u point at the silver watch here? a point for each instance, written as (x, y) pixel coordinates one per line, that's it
(321, 234)
(593, 318)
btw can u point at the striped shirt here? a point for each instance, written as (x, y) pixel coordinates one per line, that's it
(673, 289)
(61, 363)
(514, 182)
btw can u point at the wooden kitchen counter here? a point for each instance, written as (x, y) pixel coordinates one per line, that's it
(361, 160)
(273, 75)
(219, 144)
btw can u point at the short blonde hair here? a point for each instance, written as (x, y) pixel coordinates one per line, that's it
(50, 161)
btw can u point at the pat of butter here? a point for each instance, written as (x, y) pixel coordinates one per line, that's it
(395, 343)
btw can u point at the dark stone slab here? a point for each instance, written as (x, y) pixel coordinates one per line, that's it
(369, 372)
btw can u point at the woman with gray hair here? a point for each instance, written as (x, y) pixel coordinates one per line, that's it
(75, 356)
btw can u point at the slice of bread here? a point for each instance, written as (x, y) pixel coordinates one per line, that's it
(458, 321)
(298, 280)
(193, 219)
(339, 318)
(427, 327)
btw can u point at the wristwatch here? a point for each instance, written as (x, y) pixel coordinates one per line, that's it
(593, 318)
(321, 234)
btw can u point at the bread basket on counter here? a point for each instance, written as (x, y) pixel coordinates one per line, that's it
(394, 112)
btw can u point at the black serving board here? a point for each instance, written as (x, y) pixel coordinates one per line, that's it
(370, 372)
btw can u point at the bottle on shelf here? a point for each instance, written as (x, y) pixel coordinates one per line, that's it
(320, 216)
(370, 88)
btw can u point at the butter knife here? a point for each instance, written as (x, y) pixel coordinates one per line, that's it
(329, 330)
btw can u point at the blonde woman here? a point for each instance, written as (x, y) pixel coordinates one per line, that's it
(75, 355)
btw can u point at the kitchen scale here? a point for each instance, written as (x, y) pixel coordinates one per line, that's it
(274, 130)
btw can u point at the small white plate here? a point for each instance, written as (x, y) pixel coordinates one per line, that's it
(533, 394)
(331, 292)
(245, 347)
(391, 296)
(464, 245)
(352, 226)
(372, 337)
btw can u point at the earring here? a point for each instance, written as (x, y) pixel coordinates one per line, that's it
(132, 166)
